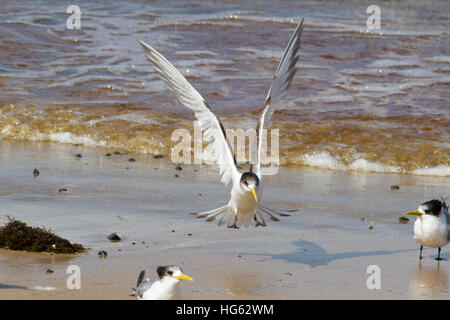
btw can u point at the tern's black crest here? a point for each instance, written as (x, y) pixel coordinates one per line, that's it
(166, 270)
(161, 270)
(432, 207)
(249, 177)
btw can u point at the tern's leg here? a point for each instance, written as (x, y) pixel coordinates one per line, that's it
(420, 254)
(439, 254)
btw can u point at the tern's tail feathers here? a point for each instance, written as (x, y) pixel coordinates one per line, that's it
(224, 214)
(262, 211)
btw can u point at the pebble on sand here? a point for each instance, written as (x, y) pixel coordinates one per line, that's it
(395, 187)
(35, 173)
(158, 156)
(78, 155)
(132, 159)
(49, 271)
(403, 220)
(178, 168)
(62, 190)
(113, 237)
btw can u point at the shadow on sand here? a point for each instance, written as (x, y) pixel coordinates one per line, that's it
(311, 254)
(11, 286)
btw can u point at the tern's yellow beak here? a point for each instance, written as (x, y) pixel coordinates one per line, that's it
(414, 213)
(252, 190)
(184, 277)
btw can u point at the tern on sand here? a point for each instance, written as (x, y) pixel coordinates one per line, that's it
(431, 228)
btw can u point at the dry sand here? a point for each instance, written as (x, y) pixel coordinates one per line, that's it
(320, 252)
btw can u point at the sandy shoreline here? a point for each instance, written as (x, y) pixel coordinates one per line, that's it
(320, 252)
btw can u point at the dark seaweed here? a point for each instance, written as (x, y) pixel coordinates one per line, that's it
(16, 235)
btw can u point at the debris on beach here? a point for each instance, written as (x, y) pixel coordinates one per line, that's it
(102, 254)
(62, 190)
(78, 155)
(158, 156)
(113, 237)
(116, 153)
(395, 187)
(403, 220)
(35, 173)
(49, 271)
(132, 159)
(178, 168)
(16, 235)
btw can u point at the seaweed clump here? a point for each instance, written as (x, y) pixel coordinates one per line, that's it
(16, 235)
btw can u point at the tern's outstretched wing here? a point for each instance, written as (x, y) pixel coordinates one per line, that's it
(193, 100)
(280, 83)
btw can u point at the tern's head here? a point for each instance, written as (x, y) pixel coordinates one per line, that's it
(432, 207)
(173, 273)
(250, 183)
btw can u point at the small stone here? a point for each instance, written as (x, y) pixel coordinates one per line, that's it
(102, 254)
(395, 187)
(176, 176)
(78, 155)
(178, 168)
(370, 228)
(403, 220)
(132, 159)
(35, 173)
(62, 190)
(158, 156)
(195, 169)
(173, 230)
(116, 153)
(108, 154)
(133, 243)
(49, 271)
(200, 194)
(189, 234)
(113, 237)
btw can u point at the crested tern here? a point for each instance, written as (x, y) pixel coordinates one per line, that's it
(165, 288)
(431, 228)
(244, 207)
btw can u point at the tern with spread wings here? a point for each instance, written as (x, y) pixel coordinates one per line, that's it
(244, 207)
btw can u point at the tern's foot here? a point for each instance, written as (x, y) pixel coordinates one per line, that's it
(439, 259)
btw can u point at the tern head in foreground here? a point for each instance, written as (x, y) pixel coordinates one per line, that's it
(245, 206)
(165, 288)
(431, 228)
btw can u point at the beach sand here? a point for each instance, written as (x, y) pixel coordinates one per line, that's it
(320, 252)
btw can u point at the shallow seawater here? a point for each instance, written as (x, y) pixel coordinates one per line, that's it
(362, 100)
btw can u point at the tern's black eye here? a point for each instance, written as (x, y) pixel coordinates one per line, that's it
(169, 272)
(427, 211)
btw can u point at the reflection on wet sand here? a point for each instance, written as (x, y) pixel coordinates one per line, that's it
(429, 282)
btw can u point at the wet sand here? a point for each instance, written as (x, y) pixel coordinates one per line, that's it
(320, 252)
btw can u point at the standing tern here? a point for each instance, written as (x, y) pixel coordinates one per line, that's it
(165, 288)
(431, 228)
(244, 206)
